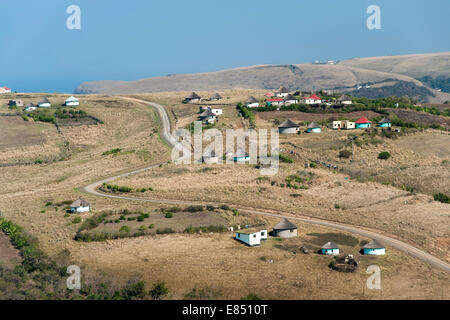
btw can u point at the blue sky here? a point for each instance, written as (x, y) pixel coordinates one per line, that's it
(129, 40)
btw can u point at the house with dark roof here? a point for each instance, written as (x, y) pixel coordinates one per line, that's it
(313, 127)
(374, 248)
(30, 107)
(44, 103)
(192, 97)
(330, 248)
(384, 123)
(285, 229)
(252, 102)
(208, 116)
(216, 97)
(290, 99)
(344, 99)
(80, 205)
(288, 126)
(282, 92)
(363, 123)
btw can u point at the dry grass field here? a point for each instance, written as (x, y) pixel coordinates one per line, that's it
(215, 264)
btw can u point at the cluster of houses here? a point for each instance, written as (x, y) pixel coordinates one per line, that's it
(286, 229)
(289, 126)
(194, 98)
(283, 97)
(44, 103)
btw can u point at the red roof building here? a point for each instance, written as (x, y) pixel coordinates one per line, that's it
(314, 97)
(268, 94)
(363, 120)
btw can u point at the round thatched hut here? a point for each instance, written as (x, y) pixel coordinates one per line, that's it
(285, 229)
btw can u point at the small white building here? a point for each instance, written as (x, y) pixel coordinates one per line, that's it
(343, 125)
(290, 99)
(337, 125)
(282, 92)
(344, 99)
(330, 248)
(210, 157)
(313, 99)
(374, 248)
(72, 102)
(80, 205)
(251, 237)
(5, 90)
(217, 112)
(252, 102)
(44, 103)
(30, 107)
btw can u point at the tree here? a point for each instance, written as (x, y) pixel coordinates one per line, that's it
(345, 154)
(159, 290)
(384, 155)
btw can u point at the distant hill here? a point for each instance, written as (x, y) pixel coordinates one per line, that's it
(343, 76)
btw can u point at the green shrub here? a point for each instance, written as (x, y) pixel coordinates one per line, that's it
(285, 159)
(313, 165)
(124, 229)
(159, 290)
(235, 212)
(169, 215)
(165, 231)
(133, 290)
(151, 226)
(194, 208)
(251, 296)
(345, 154)
(441, 197)
(76, 220)
(384, 155)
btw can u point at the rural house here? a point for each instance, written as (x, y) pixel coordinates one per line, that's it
(313, 127)
(193, 97)
(5, 90)
(337, 125)
(288, 126)
(44, 103)
(290, 99)
(384, 123)
(343, 125)
(216, 97)
(252, 102)
(282, 92)
(30, 107)
(330, 248)
(72, 102)
(208, 116)
(374, 248)
(80, 205)
(363, 123)
(251, 237)
(210, 157)
(344, 99)
(15, 103)
(285, 229)
(274, 102)
(312, 99)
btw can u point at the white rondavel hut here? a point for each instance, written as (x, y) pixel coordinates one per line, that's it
(80, 205)
(374, 248)
(72, 102)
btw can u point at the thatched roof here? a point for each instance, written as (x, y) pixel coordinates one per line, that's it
(80, 202)
(44, 100)
(283, 90)
(252, 99)
(374, 244)
(207, 113)
(285, 224)
(313, 125)
(288, 124)
(216, 96)
(385, 120)
(330, 245)
(289, 97)
(192, 96)
(344, 97)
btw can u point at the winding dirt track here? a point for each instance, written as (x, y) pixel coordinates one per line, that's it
(373, 234)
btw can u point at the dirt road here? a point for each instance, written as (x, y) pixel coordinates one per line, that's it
(365, 232)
